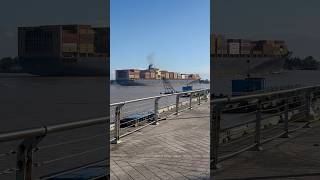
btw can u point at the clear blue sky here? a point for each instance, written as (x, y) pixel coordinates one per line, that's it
(174, 34)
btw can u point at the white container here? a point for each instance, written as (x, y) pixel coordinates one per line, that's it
(234, 48)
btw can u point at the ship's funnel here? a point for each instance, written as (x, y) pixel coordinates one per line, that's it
(150, 66)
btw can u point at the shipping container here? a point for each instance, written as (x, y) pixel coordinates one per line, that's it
(152, 75)
(70, 47)
(122, 74)
(63, 41)
(102, 41)
(69, 37)
(134, 74)
(167, 75)
(221, 42)
(145, 74)
(245, 47)
(233, 46)
(163, 74)
(84, 29)
(185, 76)
(179, 76)
(213, 44)
(221, 45)
(175, 76)
(222, 51)
(86, 48)
(171, 75)
(268, 49)
(87, 38)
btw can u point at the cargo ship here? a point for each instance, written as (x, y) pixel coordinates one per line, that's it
(153, 77)
(231, 57)
(64, 50)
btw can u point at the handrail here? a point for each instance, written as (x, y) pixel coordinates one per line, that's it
(154, 97)
(260, 95)
(307, 94)
(121, 129)
(15, 135)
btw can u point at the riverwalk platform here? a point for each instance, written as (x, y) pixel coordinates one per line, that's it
(176, 148)
(296, 157)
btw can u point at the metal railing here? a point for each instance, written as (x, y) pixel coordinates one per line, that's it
(32, 137)
(246, 122)
(131, 116)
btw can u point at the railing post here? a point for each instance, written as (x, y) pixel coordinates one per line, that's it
(307, 109)
(190, 101)
(156, 110)
(25, 158)
(286, 119)
(207, 93)
(117, 124)
(177, 104)
(215, 134)
(308, 104)
(258, 128)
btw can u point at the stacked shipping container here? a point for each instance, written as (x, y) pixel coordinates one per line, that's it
(233, 46)
(63, 41)
(245, 47)
(220, 46)
(135, 74)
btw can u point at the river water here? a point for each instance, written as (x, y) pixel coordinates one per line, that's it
(223, 85)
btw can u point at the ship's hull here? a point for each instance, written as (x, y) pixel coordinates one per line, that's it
(142, 82)
(226, 66)
(86, 66)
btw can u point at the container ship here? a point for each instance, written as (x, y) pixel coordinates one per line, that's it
(231, 57)
(64, 50)
(153, 77)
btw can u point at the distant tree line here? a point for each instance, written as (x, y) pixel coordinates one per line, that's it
(206, 81)
(296, 63)
(9, 64)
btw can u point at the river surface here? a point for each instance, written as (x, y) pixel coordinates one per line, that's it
(120, 93)
(223, 85)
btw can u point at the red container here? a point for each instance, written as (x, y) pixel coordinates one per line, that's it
(69, 37)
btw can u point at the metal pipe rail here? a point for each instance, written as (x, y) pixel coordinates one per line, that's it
(263, 95)
(32, 137)
(124, 127)
(297, 101)
(160, 96)
(45, 130)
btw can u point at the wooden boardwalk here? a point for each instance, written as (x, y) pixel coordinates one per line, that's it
(177, 148)
(296, 157)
